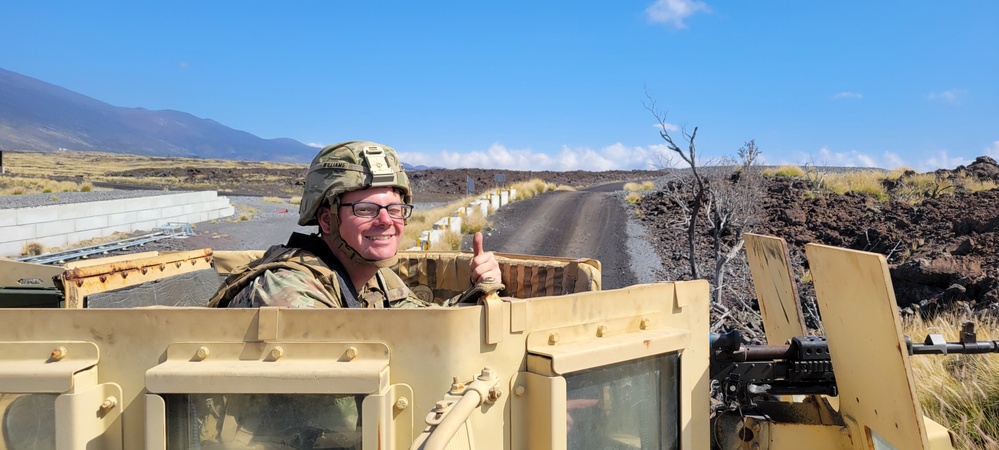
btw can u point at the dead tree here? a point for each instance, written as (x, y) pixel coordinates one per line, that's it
(733, 209)
(689, 156)
(724, 204)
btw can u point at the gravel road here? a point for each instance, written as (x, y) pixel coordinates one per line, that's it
(590, 223)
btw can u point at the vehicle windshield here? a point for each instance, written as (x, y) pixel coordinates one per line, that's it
(28, 421)
(263, 421)
(631, 405)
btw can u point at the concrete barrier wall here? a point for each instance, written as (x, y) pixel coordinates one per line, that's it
(62, 225)
(490, 201)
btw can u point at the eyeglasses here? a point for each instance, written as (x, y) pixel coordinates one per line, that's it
(370, 210)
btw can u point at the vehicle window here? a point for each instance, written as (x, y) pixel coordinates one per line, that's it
(28, 421)
(263, 421)
(630, 405)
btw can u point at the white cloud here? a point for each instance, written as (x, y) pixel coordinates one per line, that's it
(673, 12)
(668, 126)
(951, 96)
(942, 161)
(184, 65)
(848, 95)
(614, 157)
(315, 145)
(892, 161)
(993, 151)
(851, 158)
(887, 160)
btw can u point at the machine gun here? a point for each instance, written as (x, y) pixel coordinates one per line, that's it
(746, 374)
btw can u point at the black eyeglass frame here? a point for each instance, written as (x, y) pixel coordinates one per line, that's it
(407, 209)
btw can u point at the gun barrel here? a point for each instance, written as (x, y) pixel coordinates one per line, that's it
(955, 348)
(768, 352)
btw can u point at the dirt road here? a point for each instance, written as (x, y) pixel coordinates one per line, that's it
(588, 223)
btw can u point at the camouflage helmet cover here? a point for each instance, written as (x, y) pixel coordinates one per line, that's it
(350, 166)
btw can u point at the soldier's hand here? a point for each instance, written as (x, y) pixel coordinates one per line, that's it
(484, 264)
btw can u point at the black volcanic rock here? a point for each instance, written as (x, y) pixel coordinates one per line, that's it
(38, 116)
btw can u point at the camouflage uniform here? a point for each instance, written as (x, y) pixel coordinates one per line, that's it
(305, 274)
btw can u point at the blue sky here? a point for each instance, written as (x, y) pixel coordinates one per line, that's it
(536, 85)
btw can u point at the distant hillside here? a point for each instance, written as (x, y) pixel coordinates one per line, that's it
(38, 116)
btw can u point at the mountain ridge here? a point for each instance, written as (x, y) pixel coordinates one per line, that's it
(40, 116)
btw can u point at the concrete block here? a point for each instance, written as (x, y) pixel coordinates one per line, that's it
(12, 248)
(193, 208)
(122, 218)
(162, 201)
(454, 224)
(90, 223)
(227, 212)
(135, 204)
(504, 197)
(77, 210)
(17, 233)
(8, 217)
(57, 228)
(482, 206)
(147, 215)
(513, 194)
(172, 211)
(36, 215)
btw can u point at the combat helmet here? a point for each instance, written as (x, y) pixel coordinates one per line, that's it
(345, 167)
(350, 166)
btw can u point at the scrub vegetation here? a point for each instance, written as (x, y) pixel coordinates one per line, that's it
(18, 185)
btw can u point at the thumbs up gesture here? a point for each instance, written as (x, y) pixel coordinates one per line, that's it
(484, 264)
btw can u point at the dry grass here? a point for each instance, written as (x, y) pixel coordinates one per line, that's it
(296, 200)
(789, 171)
(273, 200)
(450, 242)
(474, 222)
(32, 249)
(959, 391)
(101, 167)
(643, 186)
(244, 213)
(529, 189)
(860, 181)
(423, 220)
(633, 198)
(18, 185)
(95, 165)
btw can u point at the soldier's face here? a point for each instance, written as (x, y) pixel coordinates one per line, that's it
(377, 237)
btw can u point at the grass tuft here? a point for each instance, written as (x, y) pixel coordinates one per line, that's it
(786, 172)
(643, 186)
(32, 249)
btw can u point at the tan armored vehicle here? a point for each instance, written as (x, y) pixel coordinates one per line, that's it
(129, 362)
